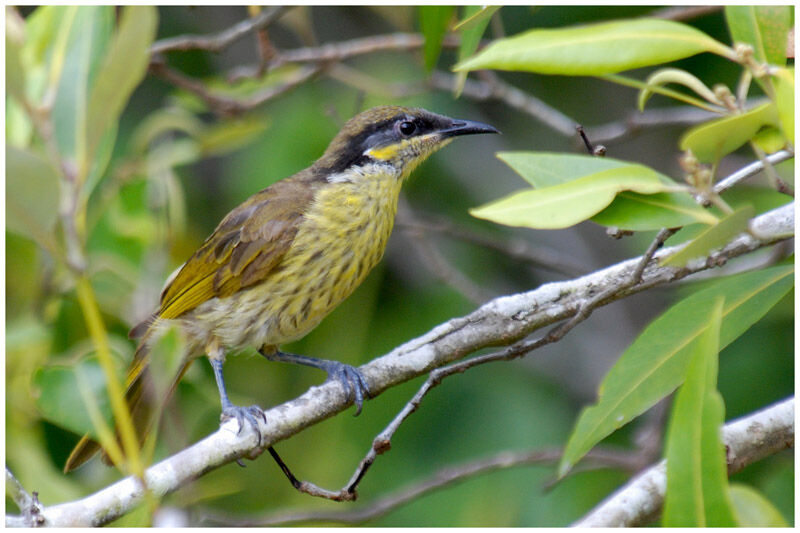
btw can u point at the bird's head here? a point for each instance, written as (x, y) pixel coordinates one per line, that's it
(400, 137)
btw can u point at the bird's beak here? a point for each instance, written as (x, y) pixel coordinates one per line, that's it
(466, 127)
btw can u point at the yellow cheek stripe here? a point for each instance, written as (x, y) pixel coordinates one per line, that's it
(423, 145)
(386, 153)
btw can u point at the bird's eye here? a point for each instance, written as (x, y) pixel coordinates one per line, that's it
(407, 128)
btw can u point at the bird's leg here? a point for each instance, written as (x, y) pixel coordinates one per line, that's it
(241, 414)
(355, 386)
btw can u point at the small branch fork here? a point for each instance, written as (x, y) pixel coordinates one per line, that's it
(28, 503)
(610, 458)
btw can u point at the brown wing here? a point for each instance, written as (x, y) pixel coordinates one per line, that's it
(244, 248)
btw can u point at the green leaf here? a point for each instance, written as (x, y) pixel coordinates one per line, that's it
(63, 391)
(31, 195)
(596, 49)
(564, 205)
(433, 21)
(629, 210)
(476, 16)
(681, 77)
(545, 169)
(471, 29)
(160, 122)
(15, 74)
(230, 135)
(647, 212)
(697, 477)
(712, 140)
(713, 237)
(87, 34)
(769, 139)
(124, 66)
(765, 28)
(784, 99)
(752, 509)
(655, 364)
(19, 129)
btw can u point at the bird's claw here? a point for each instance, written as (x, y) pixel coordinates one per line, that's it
(241, 414)
(355, 386)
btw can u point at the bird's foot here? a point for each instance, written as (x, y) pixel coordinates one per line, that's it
(355, 386)
(251, 415)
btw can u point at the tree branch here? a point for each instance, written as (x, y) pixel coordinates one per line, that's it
(747, 439)
(501, 321)
(599, 457)
(220, 41)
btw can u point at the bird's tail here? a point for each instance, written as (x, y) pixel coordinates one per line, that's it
(139, 397)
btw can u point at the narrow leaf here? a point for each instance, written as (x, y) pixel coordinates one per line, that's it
(471, 30)
(433, 21)
(713, 237)
(713, 140)
(763, 27)
(655, 364)
(476, 16)
(596, 49)
(681, 77)
(566, 204)
(15, 74)
(123, 68)
(697, 479)
(31, 195)
(752, 509)
(230, 135)
(86, 34)
(784, 99)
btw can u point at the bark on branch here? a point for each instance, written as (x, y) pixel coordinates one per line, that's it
(747, 439)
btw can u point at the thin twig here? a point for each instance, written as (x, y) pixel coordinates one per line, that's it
(28, 504)
(494, 88)
(433, 259)
(751, 170)
(599, 457)
(225, 105)
(519, 249)
(220, 41)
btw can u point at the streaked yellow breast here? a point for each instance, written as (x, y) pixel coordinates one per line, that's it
(342, 237)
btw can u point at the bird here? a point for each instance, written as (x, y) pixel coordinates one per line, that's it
(282, 260)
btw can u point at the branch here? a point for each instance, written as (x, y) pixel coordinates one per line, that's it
(224, 105)
(28, 504)
(747, 439)
(220, 41)
(501, 321)
(751, 170)
(442, 478)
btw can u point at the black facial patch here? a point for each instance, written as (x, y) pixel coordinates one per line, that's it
(350, 150)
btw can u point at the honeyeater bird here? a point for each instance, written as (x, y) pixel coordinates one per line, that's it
(281, 261)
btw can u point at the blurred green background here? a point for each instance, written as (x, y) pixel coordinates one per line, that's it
(156, 204)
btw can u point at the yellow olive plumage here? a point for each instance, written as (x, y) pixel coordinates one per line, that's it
(277, 264)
